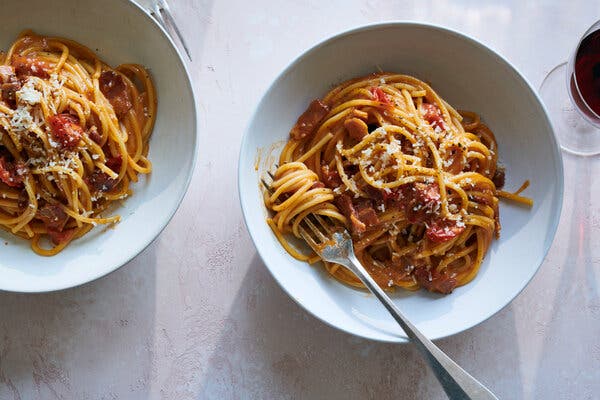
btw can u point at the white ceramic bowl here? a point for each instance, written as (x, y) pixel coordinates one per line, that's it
(119, 31)
(468, 75)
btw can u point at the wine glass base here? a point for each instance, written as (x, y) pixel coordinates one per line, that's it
(574, 133)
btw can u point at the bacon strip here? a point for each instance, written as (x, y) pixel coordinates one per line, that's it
(440, 231)
(52, 216)
(361, 215)
(9, 84)
(59, 237)
(330, 177)
(499, 178)
(94, 135)
(435, 281)
(100, 182)
(357, 128)
(420, 201)
(115, 163)
(113, 87)
(309, 120)
(12, 174)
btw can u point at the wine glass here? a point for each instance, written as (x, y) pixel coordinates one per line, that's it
(571, 93)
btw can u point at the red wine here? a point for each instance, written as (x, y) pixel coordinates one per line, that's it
(587, 75)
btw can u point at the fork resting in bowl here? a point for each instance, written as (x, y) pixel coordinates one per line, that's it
(333, 243)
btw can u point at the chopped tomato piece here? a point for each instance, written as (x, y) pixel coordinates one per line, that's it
(65, 129)
(26, 66)
(433, 115)
(380, 96)
(440, 231)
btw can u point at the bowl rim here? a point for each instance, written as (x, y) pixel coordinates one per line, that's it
(134, 252)
(385, 25)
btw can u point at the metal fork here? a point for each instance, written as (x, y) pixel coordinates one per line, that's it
(159, 9)
(334, 244)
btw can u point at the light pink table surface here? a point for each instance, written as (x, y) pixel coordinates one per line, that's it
(197, 315)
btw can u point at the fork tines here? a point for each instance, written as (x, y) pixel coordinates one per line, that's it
(319, 229)
(313, 227)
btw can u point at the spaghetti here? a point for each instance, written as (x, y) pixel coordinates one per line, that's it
(74, 134)
(414, 181)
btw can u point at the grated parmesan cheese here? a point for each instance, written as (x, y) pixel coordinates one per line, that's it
(56, 81)
(28, 94)
(393, 148)
(21, 119)
(52, 142)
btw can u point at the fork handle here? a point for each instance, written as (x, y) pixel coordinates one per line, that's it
(457, 383)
